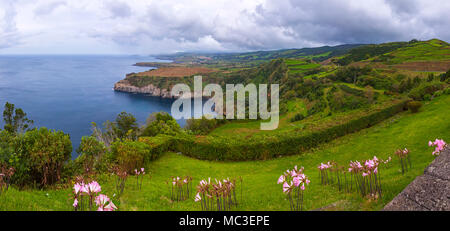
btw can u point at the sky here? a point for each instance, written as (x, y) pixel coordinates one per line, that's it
(165, 26)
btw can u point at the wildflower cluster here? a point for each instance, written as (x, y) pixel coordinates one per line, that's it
(180, 188)
(121, 178)
(324, 172)
(5, 177)
(404, 157)
(139, 177)
(440, 145)
(219, 195)
(89, 193)
(366, 177)
(294, 182)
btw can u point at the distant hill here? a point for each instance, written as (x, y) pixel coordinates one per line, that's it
(316, 54)
(431, 55)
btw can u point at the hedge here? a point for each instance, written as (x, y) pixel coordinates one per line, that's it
(228, 149)
(157, 146)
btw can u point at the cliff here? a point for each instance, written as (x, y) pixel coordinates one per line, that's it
(125, 86)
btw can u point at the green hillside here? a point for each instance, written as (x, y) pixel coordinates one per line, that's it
(260, 188)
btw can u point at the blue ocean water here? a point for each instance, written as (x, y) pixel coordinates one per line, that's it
(67, 92)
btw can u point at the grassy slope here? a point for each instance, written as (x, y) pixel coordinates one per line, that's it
(431, 50)
(260, 189)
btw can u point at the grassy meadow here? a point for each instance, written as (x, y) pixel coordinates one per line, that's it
(260, 188)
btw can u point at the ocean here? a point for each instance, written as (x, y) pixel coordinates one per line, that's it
(68, 92)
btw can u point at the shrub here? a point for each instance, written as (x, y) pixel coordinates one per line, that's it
(160, 123)
(447, 91)
(157, 146)
(47, 151)
(203, 126)
(414, 106)
(129, 155)
(91, 153)
(425, 88)
(298, 117)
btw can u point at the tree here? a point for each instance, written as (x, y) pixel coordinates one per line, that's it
(126, 126)
(91, 151)
(160, 123)
(16, 120)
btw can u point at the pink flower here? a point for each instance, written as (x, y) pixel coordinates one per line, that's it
(286, 187)
(110, 206)
(77, 188)
(365, 174)
(281, 179)
(430, 143)
(375, 170)
(197, 197)
(94, 187)
(101, 200)
(297, 181)
(104, 203)
(75, 203)
(303, 187)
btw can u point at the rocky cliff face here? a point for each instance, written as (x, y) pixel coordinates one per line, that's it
(125, 86)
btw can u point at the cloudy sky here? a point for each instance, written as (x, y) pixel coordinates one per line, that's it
(165, 26)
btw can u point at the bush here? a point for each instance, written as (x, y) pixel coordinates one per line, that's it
(157, 145)
(229, 149)
(426, 88)
(447, 91)
(414, 106)
(160, 123)
(203, 125)
(91, 153)
(298, 117)
(129, 155)
(39, 156)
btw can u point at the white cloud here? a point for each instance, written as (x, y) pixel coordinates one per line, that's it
(143, 26)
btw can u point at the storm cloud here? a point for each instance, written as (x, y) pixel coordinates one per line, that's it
(149, 27)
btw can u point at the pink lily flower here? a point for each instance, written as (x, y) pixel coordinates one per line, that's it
(281, 179)
(297, 181)
(198, 197)
(77, 188)
(94, 187)
(286, 187)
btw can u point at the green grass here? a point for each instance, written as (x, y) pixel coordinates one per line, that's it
(299, 65)
(260, 189)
